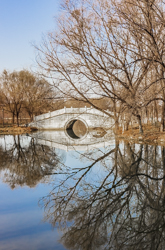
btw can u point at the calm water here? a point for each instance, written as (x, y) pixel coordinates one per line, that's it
(57, 195)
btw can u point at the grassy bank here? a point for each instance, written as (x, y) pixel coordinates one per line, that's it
(15, 130)
(151, 134)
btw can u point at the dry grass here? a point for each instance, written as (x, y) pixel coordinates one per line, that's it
(15, 130)
(150, 135)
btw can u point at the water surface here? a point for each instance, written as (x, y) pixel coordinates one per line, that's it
(61, 194)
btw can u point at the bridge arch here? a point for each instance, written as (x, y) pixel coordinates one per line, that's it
(76, 128)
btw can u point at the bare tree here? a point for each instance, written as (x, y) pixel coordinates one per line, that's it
(13, 92)
(24, 90)
(94, 54)
(145, 21)
(39, 95)
(112, 49)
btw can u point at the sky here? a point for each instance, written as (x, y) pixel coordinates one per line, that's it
(23, 23)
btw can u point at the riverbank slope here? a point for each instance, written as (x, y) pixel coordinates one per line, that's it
(151, 135)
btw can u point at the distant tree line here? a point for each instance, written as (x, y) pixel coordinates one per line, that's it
(110, 49)
(23, 91)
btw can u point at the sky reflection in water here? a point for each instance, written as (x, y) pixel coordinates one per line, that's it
(107, 198)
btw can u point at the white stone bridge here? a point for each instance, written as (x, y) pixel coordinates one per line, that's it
(64, 118)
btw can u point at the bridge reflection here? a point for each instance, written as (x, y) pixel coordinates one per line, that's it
(61, 139)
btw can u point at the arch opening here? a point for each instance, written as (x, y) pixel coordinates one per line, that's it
(76, 129)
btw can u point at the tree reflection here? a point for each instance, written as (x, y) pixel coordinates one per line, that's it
(23, 162)
(120, 206)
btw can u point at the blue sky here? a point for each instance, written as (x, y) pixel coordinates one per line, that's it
(23, 22)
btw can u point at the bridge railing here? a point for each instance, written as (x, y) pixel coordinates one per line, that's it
(71, 110)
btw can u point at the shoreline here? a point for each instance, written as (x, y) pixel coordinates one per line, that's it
(15, 130)
(151, 135)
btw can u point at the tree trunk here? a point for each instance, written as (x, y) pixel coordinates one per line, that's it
(116, 126)
(126, 125)
(3, 116)
(156, 111)
(31, 116)
(162, 118)
(13, 118)
(140, 124)
(128, 120)
(148, 116)
(17, 118)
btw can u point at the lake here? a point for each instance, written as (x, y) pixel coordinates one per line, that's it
(95, 193)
